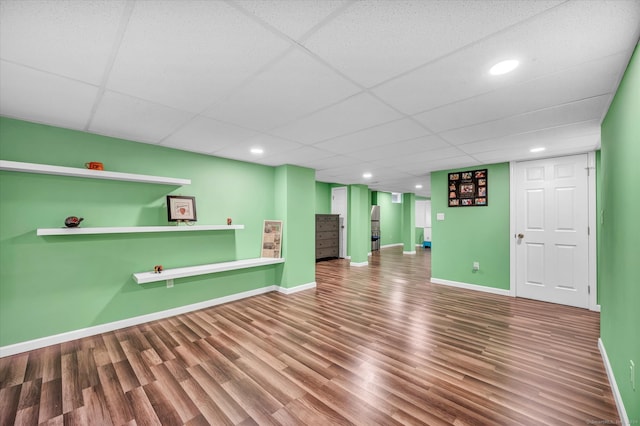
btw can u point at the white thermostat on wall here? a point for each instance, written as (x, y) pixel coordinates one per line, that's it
(439, 216)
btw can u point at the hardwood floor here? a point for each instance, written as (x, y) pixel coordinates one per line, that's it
(371, 345)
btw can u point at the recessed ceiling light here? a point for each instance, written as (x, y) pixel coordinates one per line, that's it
(504, 67)
(366, 175)
(418, 186)
(540, 149)
(257, 150)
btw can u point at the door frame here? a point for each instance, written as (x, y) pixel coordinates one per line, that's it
(592, 223)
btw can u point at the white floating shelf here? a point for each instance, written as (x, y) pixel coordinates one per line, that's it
(134, 229)
(16, 166)
(169, 275)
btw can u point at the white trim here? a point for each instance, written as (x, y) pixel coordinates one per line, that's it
(301, 287)
(475, 287)
(392, 245)
(17, 166)
(42, 342)
(592, 215)
(359, 263)
(622, 413)
(409, 252)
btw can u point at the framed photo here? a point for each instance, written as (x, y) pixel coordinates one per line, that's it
(181, 208)
(468, 188)
(271, 239)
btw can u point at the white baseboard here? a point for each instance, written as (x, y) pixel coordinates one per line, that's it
(475, 287)
(301, 287)
(622, 413)
(392, 245)
(359, 263)
(409, 252)
(116, 325)
(596, 308)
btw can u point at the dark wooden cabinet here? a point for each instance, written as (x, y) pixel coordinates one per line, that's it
(327, 236)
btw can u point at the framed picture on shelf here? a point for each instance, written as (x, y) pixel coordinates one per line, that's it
(181, 208)
(271, 239)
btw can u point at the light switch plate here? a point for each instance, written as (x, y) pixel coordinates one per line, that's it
(439, 216)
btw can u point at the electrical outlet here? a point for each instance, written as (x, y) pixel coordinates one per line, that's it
(632, 374)
(476, 266)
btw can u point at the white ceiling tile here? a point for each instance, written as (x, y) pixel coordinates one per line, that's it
(585, 110)
(402, 159)
(130, 118)
(238, 63)
(188, 54)
(353, 114)
(520, 152)
(450, 163)
(294, 86)
(539, 138)
(206, 135)
(373, 41)
(407, 185)
(391, 150)
(70, 38)
(44, 98)
(567, 35)
(374, 136)
(350, 170)
(595, 78)
(331, 162)
(270, 145)
(293, 18)
(297, 156)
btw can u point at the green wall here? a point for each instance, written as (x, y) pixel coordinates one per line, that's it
(295, 195)
(409, 223)
(390, 220)
(469, 234)
(620, 236)
(323, 198)
(359, 228)
(50, 285)
(598, 220)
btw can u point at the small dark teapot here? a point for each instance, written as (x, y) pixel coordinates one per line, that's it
(72, 221)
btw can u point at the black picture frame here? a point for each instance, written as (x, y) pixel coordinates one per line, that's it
(181, 208)
(469, 188)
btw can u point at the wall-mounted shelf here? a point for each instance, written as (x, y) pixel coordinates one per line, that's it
(134, 229)
(16, 166)
(169, 275)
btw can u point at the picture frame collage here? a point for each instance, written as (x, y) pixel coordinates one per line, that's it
(468, 188)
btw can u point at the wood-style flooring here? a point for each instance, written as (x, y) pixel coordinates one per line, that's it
(370, 345)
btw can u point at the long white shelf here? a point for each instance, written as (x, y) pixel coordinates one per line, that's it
(16, 166)
(134, 229)
(169, 275)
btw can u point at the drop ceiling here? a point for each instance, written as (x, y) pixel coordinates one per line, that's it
(395, 88)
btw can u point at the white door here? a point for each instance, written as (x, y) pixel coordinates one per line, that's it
(552, 218)
(339, 206)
